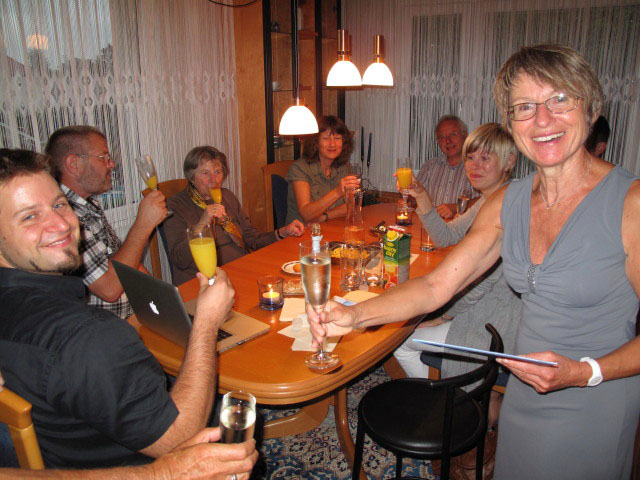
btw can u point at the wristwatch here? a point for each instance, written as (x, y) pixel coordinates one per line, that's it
(596, 376)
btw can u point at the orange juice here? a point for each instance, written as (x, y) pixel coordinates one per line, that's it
(152, 182)
(404, 178)
(204, 253)
(216, 195)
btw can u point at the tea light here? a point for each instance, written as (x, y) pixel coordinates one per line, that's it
(271, 297)
(403, 217)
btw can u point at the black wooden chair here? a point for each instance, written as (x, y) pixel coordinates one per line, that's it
(429, 419)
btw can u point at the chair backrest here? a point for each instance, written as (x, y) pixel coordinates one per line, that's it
(486, 374)
(280, 169)
(169, 189)
(15, 412)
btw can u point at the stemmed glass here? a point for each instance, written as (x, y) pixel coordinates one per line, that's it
(147, 171)
(216, 195)
(203, 249)
(356, 171)
(461, 204)
(404, 173)
(315, 263)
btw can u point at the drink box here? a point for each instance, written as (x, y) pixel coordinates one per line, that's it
(397, 254)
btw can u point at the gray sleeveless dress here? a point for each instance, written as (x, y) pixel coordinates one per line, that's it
(577, 303)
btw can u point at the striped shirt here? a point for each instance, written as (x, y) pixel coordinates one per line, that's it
(443, 182)
(98, 243)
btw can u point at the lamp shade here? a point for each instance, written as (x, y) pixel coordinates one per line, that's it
(378, 74)
(298, 120)
(344, 74)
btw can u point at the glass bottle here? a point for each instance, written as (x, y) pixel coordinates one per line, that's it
(316, 237)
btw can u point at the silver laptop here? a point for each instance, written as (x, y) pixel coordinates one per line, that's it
(159, 307)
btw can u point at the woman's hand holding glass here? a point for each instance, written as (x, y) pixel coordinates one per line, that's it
(335, 320)
(417, 191)
(349, 182)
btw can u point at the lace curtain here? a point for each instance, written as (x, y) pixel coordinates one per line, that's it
(156, 76)
(445, 55)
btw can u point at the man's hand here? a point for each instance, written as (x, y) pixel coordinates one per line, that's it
(294, 228)
(199, 458)
(215, 301)
(152, 210)
(446, 210)
(336, 320)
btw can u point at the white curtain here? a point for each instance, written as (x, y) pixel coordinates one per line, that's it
(445, 55)
(156, 76)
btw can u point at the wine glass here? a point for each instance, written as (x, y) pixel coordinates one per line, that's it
(404, 174)
(461, 204)
(315, 263)
(147, 171)
(237, 417)
(356, 171)
(203, 249)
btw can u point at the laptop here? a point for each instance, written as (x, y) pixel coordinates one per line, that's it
(159, 307)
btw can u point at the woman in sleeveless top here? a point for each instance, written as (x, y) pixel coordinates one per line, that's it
(568, 236)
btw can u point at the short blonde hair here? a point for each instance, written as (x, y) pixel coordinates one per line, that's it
(559, 66)
(491, 138)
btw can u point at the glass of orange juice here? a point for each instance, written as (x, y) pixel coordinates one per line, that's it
(404, 174)
(203, 249)
(216, 195)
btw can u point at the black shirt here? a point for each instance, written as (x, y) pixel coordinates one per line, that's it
(98, 394)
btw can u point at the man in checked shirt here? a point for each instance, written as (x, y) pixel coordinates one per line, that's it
(84, 165)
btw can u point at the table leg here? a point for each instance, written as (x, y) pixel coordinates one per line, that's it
(342, 428)
(307, 418)
(393, 368)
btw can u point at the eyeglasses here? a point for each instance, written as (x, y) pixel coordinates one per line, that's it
(451, 136)
(557, 104)
(107, 158)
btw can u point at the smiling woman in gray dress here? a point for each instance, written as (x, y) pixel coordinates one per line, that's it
(568, 237)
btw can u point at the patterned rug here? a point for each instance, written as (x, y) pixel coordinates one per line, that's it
(316, 455)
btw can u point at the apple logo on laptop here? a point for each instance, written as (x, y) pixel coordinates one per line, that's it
(153, 307)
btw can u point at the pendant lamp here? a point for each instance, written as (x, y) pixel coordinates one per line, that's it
(298, 119)
(378, 74)
(344, 73)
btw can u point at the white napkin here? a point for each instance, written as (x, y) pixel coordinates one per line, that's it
(413, 257)
(292, 307)
(300, 332)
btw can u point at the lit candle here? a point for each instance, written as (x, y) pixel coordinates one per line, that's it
(271, 297)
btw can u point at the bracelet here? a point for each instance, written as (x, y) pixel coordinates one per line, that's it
(278, 236)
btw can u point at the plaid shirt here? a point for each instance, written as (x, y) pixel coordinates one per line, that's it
(99, 242)
(443, 182)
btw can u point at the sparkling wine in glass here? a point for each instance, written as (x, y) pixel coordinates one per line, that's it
(237, 417)
(315, 263)
(461, 204)
(203, 249)
(147, 171)
(404, 174)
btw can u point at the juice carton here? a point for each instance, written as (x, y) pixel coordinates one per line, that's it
(397, 254)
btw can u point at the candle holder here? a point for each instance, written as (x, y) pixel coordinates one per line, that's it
(270, 292)
(404, 215)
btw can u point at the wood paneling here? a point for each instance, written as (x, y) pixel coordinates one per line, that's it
(249, 52)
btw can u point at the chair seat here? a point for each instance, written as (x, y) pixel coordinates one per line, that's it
(387, 409)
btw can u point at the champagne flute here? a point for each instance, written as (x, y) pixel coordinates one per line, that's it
(356, 171)
(404, 174)
(203, 249)
(216, 195)
(147, 171)
(461, 204)
(237, 417)
(315, 263)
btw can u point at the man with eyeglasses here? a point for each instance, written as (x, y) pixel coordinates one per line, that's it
(84, 166)
(444, 177)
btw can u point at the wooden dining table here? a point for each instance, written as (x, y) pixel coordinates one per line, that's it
(267, 367)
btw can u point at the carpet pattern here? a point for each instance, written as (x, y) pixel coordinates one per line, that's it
(316, 455)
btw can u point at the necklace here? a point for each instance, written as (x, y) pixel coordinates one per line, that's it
(549, 205)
